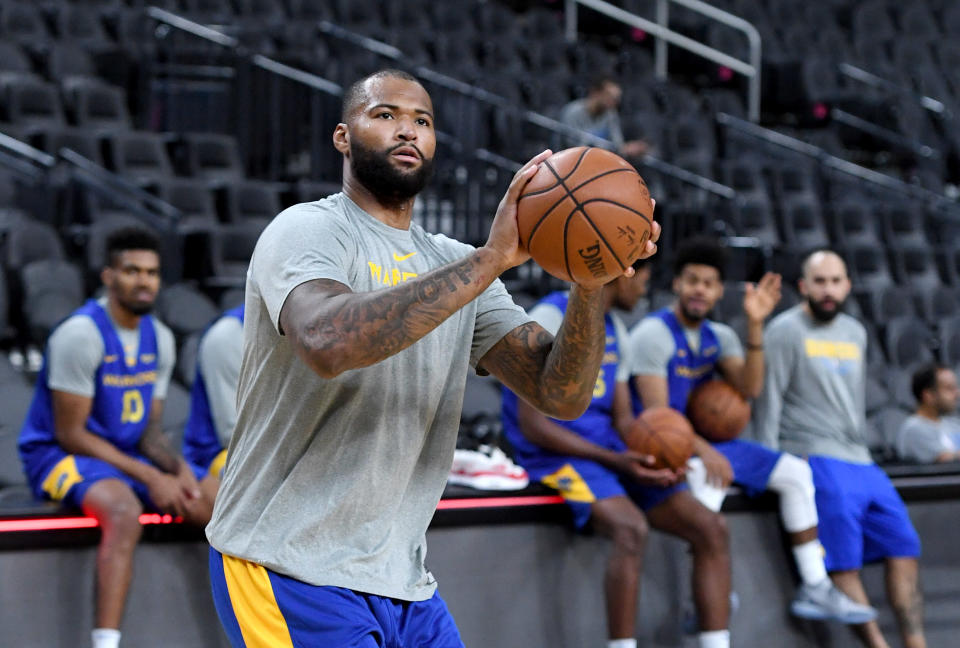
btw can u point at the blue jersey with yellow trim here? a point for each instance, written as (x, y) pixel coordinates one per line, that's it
(200, 442)
(687, 369)
(124, 389)
(596, 423)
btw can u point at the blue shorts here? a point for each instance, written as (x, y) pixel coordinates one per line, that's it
(862, 518)
(258, 607)
(53, 474)
(582, 482)
(752, 463)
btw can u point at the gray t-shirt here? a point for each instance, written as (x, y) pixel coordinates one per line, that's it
(75, 351)
(220, 352)
(550, 318)
(923, 440)
(652, 345)
(334, 481)
(605, 125)
(813, 399)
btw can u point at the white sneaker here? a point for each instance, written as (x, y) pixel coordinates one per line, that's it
(824, 601)
(487, 468)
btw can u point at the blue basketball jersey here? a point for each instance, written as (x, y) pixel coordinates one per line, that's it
(687, 369)
(124, 391)
(596, 423)
(200, 442)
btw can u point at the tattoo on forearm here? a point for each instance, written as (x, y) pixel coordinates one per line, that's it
(156, 447)
(379, 324)
(561, 370)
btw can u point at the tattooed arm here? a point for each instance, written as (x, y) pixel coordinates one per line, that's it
(333, 329)
(555, 375)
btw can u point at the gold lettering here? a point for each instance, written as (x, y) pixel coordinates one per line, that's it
(132, 407)
(374, 271)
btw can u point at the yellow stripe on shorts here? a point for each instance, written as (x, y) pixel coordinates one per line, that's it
(61, 478)
(216, 466)
(570, 484)
(261, 621)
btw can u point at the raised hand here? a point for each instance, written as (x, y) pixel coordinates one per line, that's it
(761, 298)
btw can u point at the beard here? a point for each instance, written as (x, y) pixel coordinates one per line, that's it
(389, 185)
(691, 316)
(138, 308)
(822, 314)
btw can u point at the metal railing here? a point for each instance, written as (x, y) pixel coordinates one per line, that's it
(832, 162)
(873, 80)
(659, 29)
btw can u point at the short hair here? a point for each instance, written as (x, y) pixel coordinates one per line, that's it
(925, 378)
(640, 263)
(701, 250)
(805, 261)
(130, 238)
(354, 96)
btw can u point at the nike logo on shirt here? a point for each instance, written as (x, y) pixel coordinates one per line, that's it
(397, 257)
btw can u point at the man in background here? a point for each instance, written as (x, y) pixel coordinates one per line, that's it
(598, 114)
(213, 400)
(930, 435)
(813, 405)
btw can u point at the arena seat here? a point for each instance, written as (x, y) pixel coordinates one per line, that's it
(52, 289)
(251, 199)
(29, 241)
(185, 309)
(140, 156)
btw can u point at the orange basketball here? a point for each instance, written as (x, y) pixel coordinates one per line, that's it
(585, 216)
(718, 411)
(663, 433)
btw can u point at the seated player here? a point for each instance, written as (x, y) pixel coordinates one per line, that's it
(213, 400)
(813, 404)
(677, 348)
(93, 439)
(614, 489)
(930, 436)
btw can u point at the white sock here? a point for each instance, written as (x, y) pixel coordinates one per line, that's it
(715, 639)
(622, 643)
(809, 557)
(105, 638)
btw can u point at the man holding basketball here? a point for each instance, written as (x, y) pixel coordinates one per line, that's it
(676, 349)
(614, 489)
(359, 331)
(813, 405)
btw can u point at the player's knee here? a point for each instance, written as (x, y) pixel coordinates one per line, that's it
(792, 475)
(629, 536)
(121, 516)
(713, 536)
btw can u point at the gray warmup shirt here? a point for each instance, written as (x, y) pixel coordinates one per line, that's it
(652, 346)
(605, 125)
(75, 351)
(923, 440)
(813, 398)
(220, 352)
(334, 481)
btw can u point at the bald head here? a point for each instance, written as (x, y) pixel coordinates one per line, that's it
(358, 94)
(818, 260)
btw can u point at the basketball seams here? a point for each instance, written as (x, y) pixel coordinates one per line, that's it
(596, 229)
(556, 175)
(568, 194)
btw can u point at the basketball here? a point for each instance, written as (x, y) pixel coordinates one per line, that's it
(663, 433)
(717, 411)
(585, 216)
